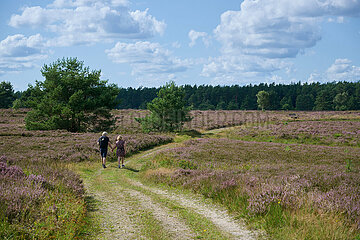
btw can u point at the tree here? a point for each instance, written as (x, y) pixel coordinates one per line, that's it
(29, 98)
(341, 101)
(304, 102)
(232, 105)
(274, 100)
(71, 97)
(206, 106)
(221, 105)
(7, 95)
(168, 111)
(249, 102)
(263, 99)
(286, 103)
(324, 101)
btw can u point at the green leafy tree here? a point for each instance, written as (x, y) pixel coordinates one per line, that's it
(168, 110)
(263, 99)
(232, 105)
(286, 103)
(304, 102)
(324, 101)
(341, 101)
(206, 106)
(221, 105)
(30, 98)
(249, 102)
(274, 100)
(71, 97)
(7, 95)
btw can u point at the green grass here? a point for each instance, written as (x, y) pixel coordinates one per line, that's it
(109, 182)
(113, 178)
(69, 221)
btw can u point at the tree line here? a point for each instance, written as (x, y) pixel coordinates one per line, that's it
(294, 96)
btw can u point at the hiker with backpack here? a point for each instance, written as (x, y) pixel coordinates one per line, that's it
(104, 142)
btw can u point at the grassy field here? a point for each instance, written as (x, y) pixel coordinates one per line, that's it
(294, 175)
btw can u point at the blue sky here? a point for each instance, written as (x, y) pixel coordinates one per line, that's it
(148, 43)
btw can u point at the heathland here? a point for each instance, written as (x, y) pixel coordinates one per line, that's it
(288, 175)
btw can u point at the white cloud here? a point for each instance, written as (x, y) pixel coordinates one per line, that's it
(337, 19)
(343, 70)
(267, 29)
(262, 37)
(315, 77)
(18, 52)
(279, 28)
(147, 58)
(120, 2)
(243, 69)
(340, 70)
(176, 44)
(19, 46)
(76, 3)
(148, 25)
(88, 21)
(193, 35)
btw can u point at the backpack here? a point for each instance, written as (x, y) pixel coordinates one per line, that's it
(103, 142)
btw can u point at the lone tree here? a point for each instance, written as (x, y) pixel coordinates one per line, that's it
(71, 97)
(263, 99)
(168, 111)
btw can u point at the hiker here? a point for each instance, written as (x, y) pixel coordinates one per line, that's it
(120, 150)
(103, 142)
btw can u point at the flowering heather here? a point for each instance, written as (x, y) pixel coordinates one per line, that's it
(18, 192)
(65, 146)
(126, 122)
(212, 119)
(41, 152)
(288, 175)
(340, 133)
(9, 116)
(137, 142)
(36, 186)
(201, 120)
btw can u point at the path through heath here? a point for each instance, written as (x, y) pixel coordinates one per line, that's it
(129, 209)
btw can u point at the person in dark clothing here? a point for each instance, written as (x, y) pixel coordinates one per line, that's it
(104, 142)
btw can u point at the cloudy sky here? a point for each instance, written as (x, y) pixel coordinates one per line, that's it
(149, 42)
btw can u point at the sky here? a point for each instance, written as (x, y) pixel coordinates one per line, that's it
(146, 43)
